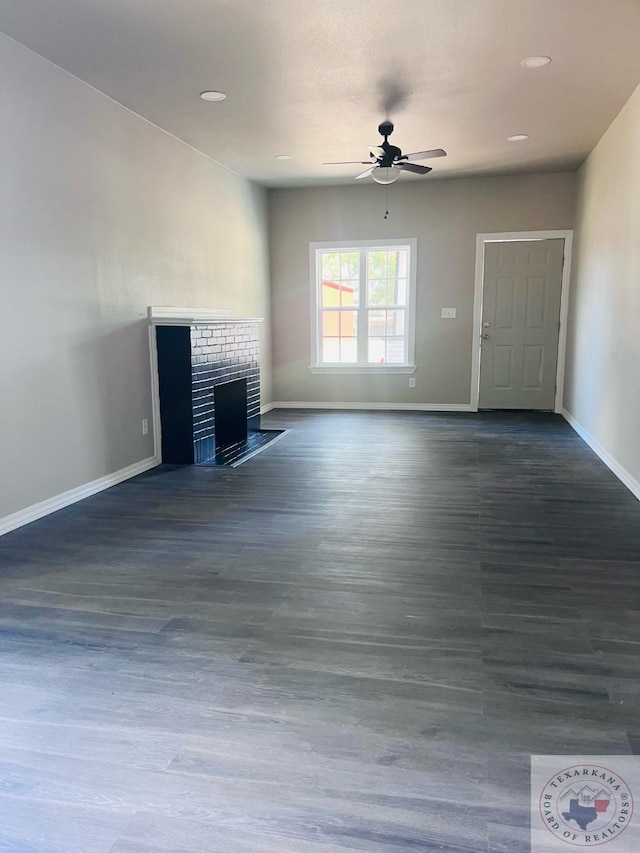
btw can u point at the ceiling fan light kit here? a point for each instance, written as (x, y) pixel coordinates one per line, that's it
(385, 176)
(388, 162)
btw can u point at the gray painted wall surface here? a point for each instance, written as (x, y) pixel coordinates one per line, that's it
(602, 388)
(102, 214)
(445, 217)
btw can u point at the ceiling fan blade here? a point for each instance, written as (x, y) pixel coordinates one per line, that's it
(413, 167)
(348, 163)
(366, 174)
(425, 155)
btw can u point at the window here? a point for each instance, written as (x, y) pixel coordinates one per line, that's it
(363, 307)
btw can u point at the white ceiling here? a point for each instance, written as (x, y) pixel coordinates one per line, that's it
(314, 79)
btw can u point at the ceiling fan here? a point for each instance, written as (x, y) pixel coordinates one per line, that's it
(388, 162)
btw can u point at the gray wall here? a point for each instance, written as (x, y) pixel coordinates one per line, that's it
(101, 215)
(602, 389)
(445, 216)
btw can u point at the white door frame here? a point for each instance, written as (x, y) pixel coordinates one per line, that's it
(507, 236)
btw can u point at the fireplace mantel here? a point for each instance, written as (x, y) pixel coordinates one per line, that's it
(160, 315)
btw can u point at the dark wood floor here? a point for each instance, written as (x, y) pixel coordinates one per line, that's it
(353, 642)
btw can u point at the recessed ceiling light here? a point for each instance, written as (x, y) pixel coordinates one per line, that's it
(283, 156)
(517, 137)
(212, 96)
(535, 61)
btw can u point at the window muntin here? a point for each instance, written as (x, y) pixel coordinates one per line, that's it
(363, 305)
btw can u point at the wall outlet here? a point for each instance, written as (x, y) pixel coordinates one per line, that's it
(145, 426)
(412, 383)
(448, 314)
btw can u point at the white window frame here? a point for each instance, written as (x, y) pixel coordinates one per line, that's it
(315, 275)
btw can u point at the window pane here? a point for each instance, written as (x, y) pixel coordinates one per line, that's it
(377, 323)
(380, 292)
(331, 266)
(395, 322)
(395, 350)
(348, 350)
(340, 278)
(349, 266)
(340, 344)
(376, 351)
(339, 293)
(377, 265)
(331, 350)
(386, 337)
(330, 324)
(387, 276)
(349, 292)
(384, 323)
(348, 324)
(330, 293)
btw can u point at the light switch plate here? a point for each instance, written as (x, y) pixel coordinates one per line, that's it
(448, 313)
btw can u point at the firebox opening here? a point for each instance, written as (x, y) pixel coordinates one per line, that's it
(230, 413)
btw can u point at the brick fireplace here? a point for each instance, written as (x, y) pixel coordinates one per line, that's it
(194, 359)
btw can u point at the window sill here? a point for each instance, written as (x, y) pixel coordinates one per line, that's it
(379, 369)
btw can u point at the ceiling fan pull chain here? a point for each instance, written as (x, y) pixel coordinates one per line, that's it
(386, 213)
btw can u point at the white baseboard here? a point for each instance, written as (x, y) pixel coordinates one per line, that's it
(386, 407)
(32, 513)
(621, 473)
(267, 408)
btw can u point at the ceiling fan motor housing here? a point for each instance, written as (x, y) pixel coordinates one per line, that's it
(391, 153)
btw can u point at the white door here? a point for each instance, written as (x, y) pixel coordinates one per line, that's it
(520, 324)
